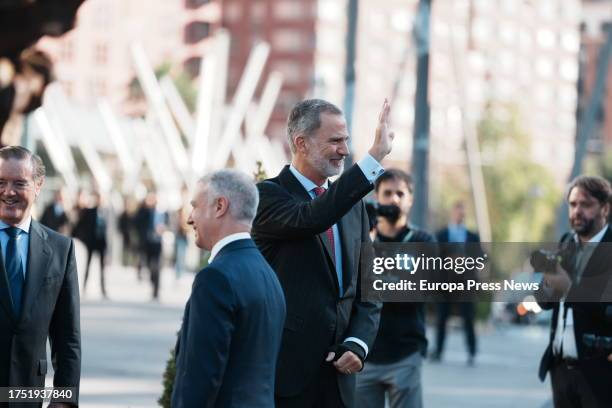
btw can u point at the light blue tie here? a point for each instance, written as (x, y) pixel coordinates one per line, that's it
(14, 270)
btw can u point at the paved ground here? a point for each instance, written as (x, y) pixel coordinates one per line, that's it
(126, 342)
(127, 339)
(505, 374)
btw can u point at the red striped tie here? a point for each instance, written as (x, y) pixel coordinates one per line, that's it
(330, 233)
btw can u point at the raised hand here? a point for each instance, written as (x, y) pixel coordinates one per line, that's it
(383, 139)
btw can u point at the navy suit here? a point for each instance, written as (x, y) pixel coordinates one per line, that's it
(467, 308)
(50, 310)
(231, 334)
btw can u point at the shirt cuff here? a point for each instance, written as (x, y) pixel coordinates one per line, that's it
(370, 167)
(359, 342)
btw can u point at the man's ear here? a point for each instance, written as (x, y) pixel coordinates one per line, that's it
(300, 144)
(38, 185)
(221, 207)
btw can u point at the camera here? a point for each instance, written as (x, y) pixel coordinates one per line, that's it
(543, 260)
(599, 346)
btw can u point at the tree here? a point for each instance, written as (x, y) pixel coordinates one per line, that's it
(521, 193)
(165, 401)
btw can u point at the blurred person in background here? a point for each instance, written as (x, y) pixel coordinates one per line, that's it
(125, 225)
(151, 223)
(394, 364)
(180, 228)
(372, 219)
(580, 374)
(456, 232)
(55, 216)
(91, 229)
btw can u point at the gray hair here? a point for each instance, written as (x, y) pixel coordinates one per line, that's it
(238, 188)
(305, 118)
(21, 153)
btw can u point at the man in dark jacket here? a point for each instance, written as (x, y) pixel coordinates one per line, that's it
(457, 233)
(229, 342)
(91, 229)
(311, 231)
(150, 223)
(54, 216)
(39, 291)
(580, 375)
(394, 365)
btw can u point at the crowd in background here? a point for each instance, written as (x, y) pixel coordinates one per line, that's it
(141, 226)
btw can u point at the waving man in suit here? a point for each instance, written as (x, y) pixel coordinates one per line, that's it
(311, 231)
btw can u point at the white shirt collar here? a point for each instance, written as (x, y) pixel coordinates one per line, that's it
(24, 225)
(307, 183)
(597, 237)
(225, 241)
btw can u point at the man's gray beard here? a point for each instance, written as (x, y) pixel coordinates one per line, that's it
(326, 168)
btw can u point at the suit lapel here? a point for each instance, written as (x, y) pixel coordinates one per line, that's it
(348, 248)
(38, 258)
(350, 237)
(600, 257)
(293, 185)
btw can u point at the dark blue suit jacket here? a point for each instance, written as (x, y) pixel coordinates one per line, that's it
(471, 237)
(231, 334)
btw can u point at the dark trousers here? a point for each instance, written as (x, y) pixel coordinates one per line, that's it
(153, 257)
(467, 311)
(323, 392)
(102, 253)
(578, 385)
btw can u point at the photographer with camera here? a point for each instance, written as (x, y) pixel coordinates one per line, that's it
(394, 364)
(577, 357)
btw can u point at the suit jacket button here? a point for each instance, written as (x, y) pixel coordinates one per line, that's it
(332, 327)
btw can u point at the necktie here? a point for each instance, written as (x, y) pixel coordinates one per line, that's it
(14, 269)
(330, 233)
(330, 237)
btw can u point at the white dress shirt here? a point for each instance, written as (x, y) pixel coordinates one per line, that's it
(564, 336)
(371, 169)
(23, 241)
(226, 241)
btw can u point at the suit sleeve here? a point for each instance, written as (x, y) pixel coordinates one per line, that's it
(65, 329)
(365, 316)
(282, 216)
(205, 341)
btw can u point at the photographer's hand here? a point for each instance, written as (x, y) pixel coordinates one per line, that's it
(383, 139)
(610, 358)
(559, 281)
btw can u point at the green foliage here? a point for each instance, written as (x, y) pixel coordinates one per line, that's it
(260, 172)
(522, 195)
(165, 401)
(607, 165)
